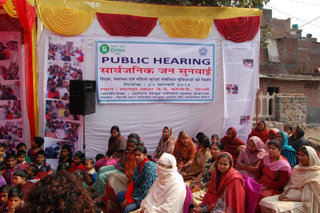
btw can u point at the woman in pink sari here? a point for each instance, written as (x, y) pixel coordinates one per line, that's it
(274, 173)
(251, 157)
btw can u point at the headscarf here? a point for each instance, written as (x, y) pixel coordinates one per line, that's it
(307, 177)
(299, 132)
(165, 146)
(231, 145)
(183, 153)
(274, 130)
(285, 145)
(168, 192)
(251, 158)
(262, 134)
(213, 193)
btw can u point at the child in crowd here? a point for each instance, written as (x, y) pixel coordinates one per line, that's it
(11, 162)
(78, 162)
(4, 191)
(91, 173)
(43, 168)
(287, 128)
(65, 159)
(20, 179)
(214, 138)
(32, 174)
(22, 146)
(15, 201)
(2, 150)
(35, 147)
(2, 180)
(21, 160)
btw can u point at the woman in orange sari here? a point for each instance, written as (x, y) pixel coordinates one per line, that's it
(232, 144)
(184, 151)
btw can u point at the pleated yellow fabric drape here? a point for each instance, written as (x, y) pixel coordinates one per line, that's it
(186, 27)
(35, 78)
(10, 8)
(65, 21)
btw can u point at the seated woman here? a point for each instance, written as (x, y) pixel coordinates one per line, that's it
(200, 185)
(232, 144)
(296, 140)
(166, 143)
(143, 177)
(274, 173)
(251, 157)
(200, 159)
(115, 144)
(168, 192)
(184, 151)
(260, 131)
(287, 151)
(226, 184)
(302, 192)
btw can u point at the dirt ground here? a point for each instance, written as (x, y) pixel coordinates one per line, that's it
(313, 132)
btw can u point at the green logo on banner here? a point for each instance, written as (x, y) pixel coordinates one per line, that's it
(104, 49)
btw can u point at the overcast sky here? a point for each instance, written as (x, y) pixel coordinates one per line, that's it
(305, 13)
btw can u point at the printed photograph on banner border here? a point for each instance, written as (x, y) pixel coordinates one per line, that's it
(11, 129)
(53, 147)
(248, 64)
(65, 50)
(62, 129)
(56, 109)
(10, 110)
(244, 119)
(232, 89)
(64, 62)
(10, 90)
(59, 75)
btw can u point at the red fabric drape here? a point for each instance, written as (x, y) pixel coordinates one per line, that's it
(26, 14)
(126, 25)
(2, 2)
(8, 23)
(238, 29)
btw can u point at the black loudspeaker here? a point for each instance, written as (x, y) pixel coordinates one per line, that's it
(82, 97)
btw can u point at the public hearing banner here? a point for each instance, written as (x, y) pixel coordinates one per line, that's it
(155, 71)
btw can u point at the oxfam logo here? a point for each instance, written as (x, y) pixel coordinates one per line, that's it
(104, 49)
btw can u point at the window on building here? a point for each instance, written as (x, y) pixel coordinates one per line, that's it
(271, 90)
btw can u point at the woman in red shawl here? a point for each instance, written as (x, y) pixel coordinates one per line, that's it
(226, 190)
(184, 151)
(260, 131)
(232, 144)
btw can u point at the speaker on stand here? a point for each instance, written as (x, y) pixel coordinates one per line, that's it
(82, 100)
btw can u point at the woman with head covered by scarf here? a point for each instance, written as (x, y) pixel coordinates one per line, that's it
(251, 157)
(302, 193)
(296, 140)
(260, 131)
(287, 151)
(232, 143)
(226, 190)
(168, 192)
(166, 143)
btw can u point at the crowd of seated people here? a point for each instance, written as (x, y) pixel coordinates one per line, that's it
(205, 174)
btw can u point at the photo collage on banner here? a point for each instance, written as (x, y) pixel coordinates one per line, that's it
(241, 76)
(64, 62)
(11, 110)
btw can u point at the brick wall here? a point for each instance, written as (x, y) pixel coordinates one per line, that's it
(311, 89)
(292, 108)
